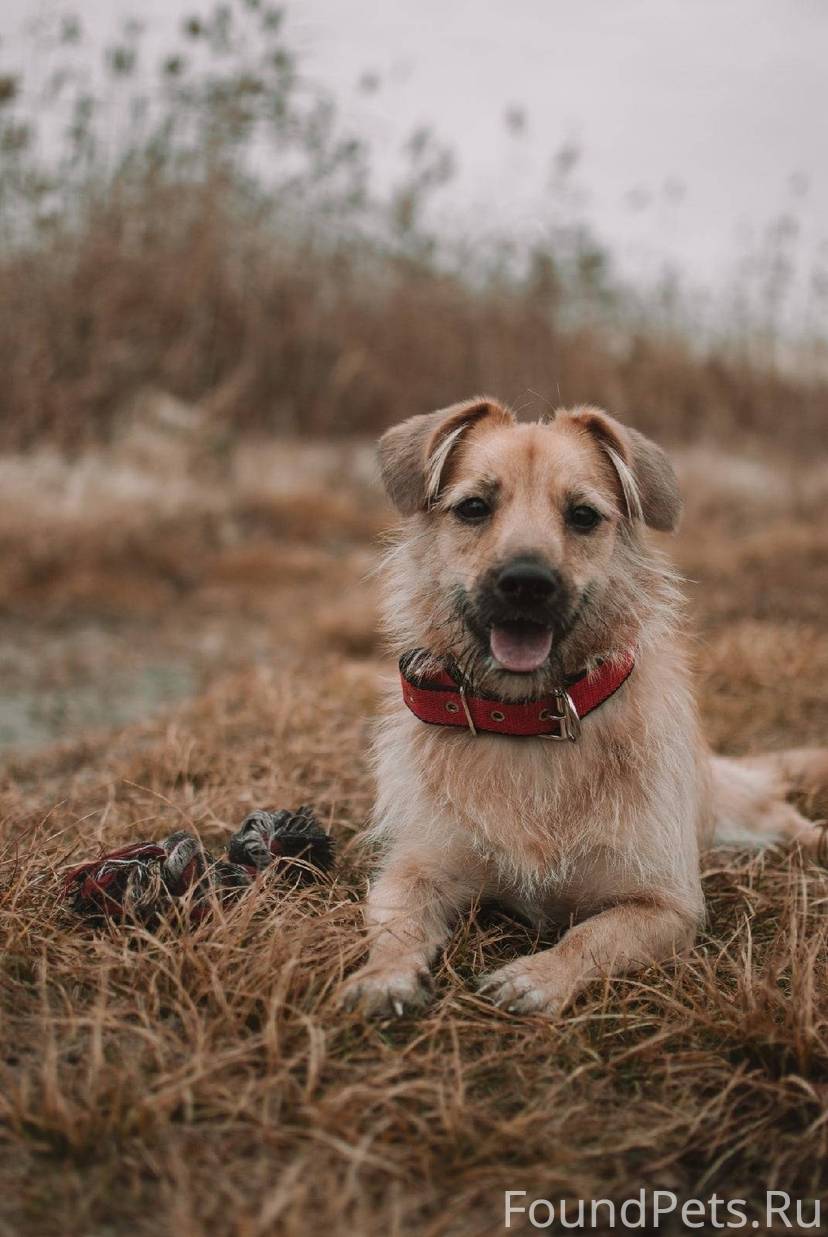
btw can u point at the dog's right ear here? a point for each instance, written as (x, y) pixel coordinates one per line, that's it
(414, 455)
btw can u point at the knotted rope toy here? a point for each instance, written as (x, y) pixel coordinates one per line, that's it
(141, 881)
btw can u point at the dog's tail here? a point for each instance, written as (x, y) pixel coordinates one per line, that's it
(776, 797)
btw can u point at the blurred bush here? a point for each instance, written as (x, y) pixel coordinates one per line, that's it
(205, 227)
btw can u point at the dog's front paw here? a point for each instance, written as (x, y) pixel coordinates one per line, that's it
(386, 992)
(533, 985)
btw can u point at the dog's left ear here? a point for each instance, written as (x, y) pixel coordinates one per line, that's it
(414, 456)
(648, 482)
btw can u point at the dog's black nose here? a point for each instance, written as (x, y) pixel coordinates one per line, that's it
(526, 582)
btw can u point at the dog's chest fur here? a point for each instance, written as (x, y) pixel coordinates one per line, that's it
(539, 813)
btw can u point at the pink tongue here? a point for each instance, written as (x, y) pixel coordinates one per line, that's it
(520, 648)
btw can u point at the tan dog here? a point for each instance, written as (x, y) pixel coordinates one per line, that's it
(523, 563)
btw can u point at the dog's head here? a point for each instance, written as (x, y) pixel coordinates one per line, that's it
(523, 548)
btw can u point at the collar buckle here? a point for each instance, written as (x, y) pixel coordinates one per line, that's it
(567, 716)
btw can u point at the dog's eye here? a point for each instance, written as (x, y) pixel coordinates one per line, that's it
(583, 518)
(472, 510)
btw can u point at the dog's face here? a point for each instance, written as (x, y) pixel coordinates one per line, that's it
(524, 528)
(523, 534)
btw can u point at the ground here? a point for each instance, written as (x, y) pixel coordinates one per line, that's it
(182, 639)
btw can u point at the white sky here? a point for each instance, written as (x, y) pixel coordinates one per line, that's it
(727, 98)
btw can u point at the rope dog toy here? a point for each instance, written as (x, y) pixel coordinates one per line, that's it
(140, 881)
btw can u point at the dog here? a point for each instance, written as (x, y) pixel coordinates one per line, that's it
(543, 748)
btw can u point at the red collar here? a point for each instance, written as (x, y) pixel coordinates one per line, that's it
(443, 700)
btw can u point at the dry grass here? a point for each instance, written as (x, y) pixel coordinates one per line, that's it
(204, 1079)
(270, 336)
(232, 245)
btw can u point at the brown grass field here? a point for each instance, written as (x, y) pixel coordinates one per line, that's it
(182, 640)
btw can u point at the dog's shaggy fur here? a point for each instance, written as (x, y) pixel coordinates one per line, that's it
(603, 834)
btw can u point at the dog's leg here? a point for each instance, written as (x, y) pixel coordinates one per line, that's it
(409, 914)
(622, 939)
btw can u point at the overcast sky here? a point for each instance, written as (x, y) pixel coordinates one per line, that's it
(699, 119)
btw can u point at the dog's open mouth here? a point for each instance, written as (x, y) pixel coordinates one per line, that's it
(520, 645)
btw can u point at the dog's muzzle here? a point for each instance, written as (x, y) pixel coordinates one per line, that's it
(519, 607)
